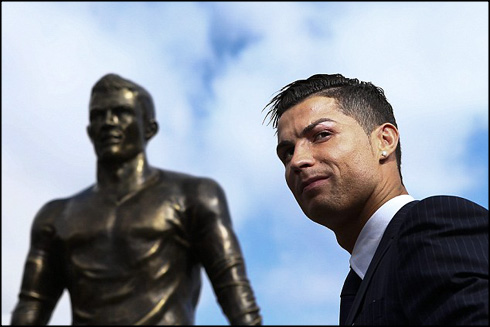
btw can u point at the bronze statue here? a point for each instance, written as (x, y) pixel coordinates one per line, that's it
(129, 249)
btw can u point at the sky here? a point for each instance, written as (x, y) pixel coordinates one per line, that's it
(211, 68)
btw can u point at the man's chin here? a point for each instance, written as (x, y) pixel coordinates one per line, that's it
(110, 154)
(115, 155)
(318, 212)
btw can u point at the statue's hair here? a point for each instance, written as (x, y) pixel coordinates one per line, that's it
(114, 82)
(363, 101)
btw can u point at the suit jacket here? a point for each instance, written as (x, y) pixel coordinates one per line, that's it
(430, 268)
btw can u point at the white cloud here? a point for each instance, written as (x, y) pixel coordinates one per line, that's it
(431, 59)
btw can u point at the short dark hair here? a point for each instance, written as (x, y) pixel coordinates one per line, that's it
(114, 82)
(363, 101)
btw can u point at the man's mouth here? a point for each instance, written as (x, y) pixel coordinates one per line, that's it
(111, 138)
(311, 183)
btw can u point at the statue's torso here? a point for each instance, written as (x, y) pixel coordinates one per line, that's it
(130, 260)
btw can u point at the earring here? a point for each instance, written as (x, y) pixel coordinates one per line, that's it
(384, 154)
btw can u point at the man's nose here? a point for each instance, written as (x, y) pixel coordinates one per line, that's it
(302, 157)
(110, 118)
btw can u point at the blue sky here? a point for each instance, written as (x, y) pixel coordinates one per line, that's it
(211, 68)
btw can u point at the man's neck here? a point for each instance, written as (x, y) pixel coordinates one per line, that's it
(347, 236)
(123, 177)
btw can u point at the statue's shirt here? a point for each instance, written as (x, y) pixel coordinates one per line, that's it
(137, 260)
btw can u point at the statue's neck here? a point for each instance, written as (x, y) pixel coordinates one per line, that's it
(124, 177)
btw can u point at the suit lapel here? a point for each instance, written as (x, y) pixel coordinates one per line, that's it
(386, 241)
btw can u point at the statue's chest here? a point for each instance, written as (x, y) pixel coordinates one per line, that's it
(98, 229)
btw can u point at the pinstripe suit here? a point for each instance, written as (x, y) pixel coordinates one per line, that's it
(431, 267)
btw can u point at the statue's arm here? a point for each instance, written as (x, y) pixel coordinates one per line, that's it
(219, 250)
(43, 279)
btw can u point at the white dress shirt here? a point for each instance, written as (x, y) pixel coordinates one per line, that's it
(372, 232)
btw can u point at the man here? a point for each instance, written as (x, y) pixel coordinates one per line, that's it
(412, 261)
(129, 249)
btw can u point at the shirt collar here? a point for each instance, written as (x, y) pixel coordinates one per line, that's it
(372, 232)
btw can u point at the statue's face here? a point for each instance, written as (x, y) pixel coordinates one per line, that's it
(116, 125)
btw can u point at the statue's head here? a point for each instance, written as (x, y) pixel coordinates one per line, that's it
(122, 118)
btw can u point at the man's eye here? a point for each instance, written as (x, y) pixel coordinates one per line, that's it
(122, 111)
(321, 135)
(286, 155)
(94, 115)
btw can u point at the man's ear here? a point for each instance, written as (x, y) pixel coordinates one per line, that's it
(151, 129)
(387, 139)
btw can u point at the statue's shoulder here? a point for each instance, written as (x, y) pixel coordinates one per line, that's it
(46, 216)
(191, 183)
(54, 208)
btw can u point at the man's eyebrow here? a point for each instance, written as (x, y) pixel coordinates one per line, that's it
(115, 106)
(311, 126)
(305, 131)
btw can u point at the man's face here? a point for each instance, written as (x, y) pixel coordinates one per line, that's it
(116, 125)
(330, 163)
